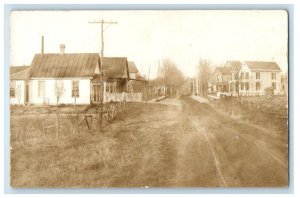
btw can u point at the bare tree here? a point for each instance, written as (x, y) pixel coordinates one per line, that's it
(204, 73)
(59, 90)
(171, 75)
(166, 65)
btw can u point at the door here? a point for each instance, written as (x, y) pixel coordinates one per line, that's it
(26, 92)
(97, 92)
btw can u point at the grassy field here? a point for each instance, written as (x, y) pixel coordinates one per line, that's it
(266, 112)
(92, 158)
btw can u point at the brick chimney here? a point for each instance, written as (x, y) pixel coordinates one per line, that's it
(62, 49)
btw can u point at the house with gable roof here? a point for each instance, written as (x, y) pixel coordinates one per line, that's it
(76, 76)
(256, 76)
(247, 78)
(72, 73)
(115, 77)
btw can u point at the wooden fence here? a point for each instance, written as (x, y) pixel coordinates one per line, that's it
(118, 97)
(32, 127)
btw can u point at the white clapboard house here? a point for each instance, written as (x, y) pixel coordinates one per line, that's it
(65, 78)
(247, 78)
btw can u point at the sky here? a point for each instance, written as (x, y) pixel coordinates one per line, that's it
(148, 37)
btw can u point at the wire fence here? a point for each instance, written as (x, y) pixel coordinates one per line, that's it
(29, 128)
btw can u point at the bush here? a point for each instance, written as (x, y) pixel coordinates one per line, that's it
(269, 91)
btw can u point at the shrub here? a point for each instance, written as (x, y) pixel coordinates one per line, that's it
(269, 91)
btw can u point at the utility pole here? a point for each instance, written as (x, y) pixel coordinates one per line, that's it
(102, 22)
(148, 87)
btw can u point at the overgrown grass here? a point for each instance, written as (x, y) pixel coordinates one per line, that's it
(254, 111)
(127, 153)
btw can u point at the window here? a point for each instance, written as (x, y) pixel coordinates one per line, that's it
(12, 89)
(110, 88)
(242, 86)
(41, 89)
(247, 86)
(257, 75)
(114, 87)
(273, 76)
(234, 76)
(75, 88)
(257, 86)
(107, 88)
(247, 75)
(274, 85)
(242, 75)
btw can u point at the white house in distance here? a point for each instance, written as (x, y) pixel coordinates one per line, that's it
(248, 78)
(76, 76)
(256, 76)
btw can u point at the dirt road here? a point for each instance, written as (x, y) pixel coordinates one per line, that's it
(172, 143)
(220, 151)
(187, 143)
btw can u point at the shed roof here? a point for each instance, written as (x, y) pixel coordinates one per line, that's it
(15, 69)
(21, 75)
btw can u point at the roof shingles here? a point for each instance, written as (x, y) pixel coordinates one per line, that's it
(60, 66)
(77, 65)
(116, 67)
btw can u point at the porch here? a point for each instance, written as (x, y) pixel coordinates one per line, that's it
(128, 97)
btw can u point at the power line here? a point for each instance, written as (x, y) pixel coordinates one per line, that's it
(102, 22)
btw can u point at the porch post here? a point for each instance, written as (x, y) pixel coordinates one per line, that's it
(104, 91)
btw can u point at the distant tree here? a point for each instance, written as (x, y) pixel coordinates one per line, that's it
(203, 75)
(171, 75)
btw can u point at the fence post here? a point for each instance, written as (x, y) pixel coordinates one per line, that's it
(57, 127)
(77, 131)
(43, 121)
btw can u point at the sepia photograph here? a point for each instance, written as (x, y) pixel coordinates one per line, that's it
(149, 99)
